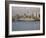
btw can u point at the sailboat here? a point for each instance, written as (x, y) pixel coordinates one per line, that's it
(37, 19)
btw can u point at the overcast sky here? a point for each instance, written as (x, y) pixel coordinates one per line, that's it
(27, 10)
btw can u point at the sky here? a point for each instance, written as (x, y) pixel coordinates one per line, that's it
(26, 10)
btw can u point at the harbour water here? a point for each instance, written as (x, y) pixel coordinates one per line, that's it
(25, 25)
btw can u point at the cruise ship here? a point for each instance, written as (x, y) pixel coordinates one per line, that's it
(27, 18)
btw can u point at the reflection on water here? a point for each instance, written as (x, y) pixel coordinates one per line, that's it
(25, 25)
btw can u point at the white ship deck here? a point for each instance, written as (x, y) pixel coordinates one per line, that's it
(28, 19)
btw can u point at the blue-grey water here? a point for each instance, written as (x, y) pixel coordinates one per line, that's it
(25, 25)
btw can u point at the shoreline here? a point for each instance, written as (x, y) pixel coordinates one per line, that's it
(27, 20)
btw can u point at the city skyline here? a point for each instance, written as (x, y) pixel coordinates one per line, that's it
(25, 10)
